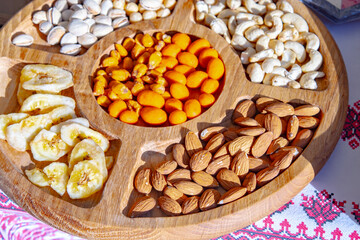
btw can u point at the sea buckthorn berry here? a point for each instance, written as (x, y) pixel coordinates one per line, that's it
(162, 81)
(173, 104)
(161, 69)
(103, 101)
(169, 62)
(101, 72)
(128, 44)
(184, 69)
(115, 54)
(116, 108)
(147, 41)
(114, 82)
(206, 100)
(134, 106)
(215, 68)
(99, 89)
(188, 59)
(147, 79)
(144, 58)
(198, 45)
(122, 91)
(158, 88)
(139, 70)
(110, 62)
(101, 79)
(127, 63)
(122, 50)
(177, 117)
(129, 117)
(137, 51)
(195, 79)
(206, 55)
(153, 115)
(154, 73)
(179, 91)
(171, 50)
(173, 77)
(155, 60)
(137, 88)
(166, 95)
(138, 38)
(210, 86)
(182, 40)
(192, 108)
(120, 75)
(150, 98)
(112, 95)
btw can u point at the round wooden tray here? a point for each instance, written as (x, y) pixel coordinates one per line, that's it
(103, 216)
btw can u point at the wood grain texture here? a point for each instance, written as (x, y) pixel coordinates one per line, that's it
(103, 216)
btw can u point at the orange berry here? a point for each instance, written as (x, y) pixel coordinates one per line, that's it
(182, 40)
(171, 50)
(166, 95)
(192, 108)
(206, 55)
(103, 101)
(153, 115)
(169, 62)
(173, 76)
(188, 59)
(177, 117)
(197, 46)
(173, 104)
(129, 117)
(195, 79)
(210, 86)
(215, 68)
(110, 62)
(116, 108)
(150, 98)
(206, 100)
(184, 69)
(179, 91)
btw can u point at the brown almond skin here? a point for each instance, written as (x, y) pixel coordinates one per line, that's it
(209, 199)
(250, 131)
(260, 119)
(292, 127)
(232, 195)
(180, 155)
(228, 179)
(142, 181)
(302, 138)
(192, 143)
(217, 164)
(273, 124)
(250, 182)
(263, 102)
(223, 150)
(284, 123)
(307, 110)
(215, 143)
(158, 181)
(308, 122)
(191, 205)
(230, 135)
(257, 164)
(200, 160)
(283, 161)
(293, 149)
(204, 179)
(245, 108)
(141, 206)
(166, 167)
(280, 109)
(175, 194)
(178, 175)
(266, 175)
(169, 206)
(261, 144)
(189, 188)
(240, 164)
(242, 143)
(208, 133)
(276, 144)
(246, 122)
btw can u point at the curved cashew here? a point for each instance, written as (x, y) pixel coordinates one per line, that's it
(232, 25)
(253, 33)
(269, 63)
(218, 26)
(264, 2)
(227, 13)
(296, 20)
(294, 84)
(262, 43)
(287, 58)
(289, 33)
(255, 72)
(276, 28)
(240, 29)
(199, 15)
(259, 56)
(217, 8)
(267, 78)
(246, 54)
(278, 80)
(225, 20)
(307, 80)
(264, 28)
(298, 49)
(245, 16)
(316, 59)
(280, 71)
(210, 2)
(255, 8)
(270, 7)
(268, 19)
(277, 46)
(202, 7)
(233, 4)
(295, 72)
(208, 19)
(312, 41)
(239, 42)
(284, 6)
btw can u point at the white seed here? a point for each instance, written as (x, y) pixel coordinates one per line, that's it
(64, 24)
(147, 15)
(61, 5)
(135, 17)
(45, 27)
(98, 1)
(106, 6)
(55, 35)
(151, 4)
(23, 40)
(39, 16)
(68, 38)
(76, 7)
(141, 9)
(54, 16)
(170, 4)
(120, 22)
(101, 30)
(79, 14)
(294, 84)
(116, 13)
(73, 2)
(233, 4)
(131, 8)
(78, 27)
(103, 19)
(92, 7)
(66, 14)
(163, 12)
(90, 22)
(119, 4)
(71, 49)
(87, 40)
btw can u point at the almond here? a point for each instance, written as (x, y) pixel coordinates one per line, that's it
(293, 149)
(246, 122)
(218, 163)
(250, 131)
(273, 124)
(166, 167)
(280, 109)
(283, 161)
(308, 122)
(263, 102)
(180, 155)
(260, 119)
(246, 108)
(215, 143)
(307, 110)
(204, 179)
(142, 206)
(266, 175)
(158, 181)
(169, 206)
(142, 181)
(228, 179)
(230, 135)
(189, 188)
(232, 195)
(261, 144)
(242, 143)
(257, 164)
(192, 143)
(200, 160)
(209, 199)
(223, 150)
(175, 194)
(302, 138)
(240, 164)
(284, 123)
(191, 205)
(250, 182)
(292, 127)
(178, 175)
(208, 133)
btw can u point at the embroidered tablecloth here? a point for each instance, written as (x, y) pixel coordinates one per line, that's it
(328, 208)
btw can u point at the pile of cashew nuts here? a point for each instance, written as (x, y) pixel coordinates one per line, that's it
(273, 42)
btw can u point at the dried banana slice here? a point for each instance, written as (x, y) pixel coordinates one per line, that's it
(74, 133)
(82, 121)
(85, 179)
(58, 176)
(109, 162)
(8, 119)
(61, 114)
(49, 78)
(37, 177)
(23, 94)
(48, 146)
(43, 103)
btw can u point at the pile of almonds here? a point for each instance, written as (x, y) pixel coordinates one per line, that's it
(235, 161)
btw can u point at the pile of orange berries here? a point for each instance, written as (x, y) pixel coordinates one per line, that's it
(160, 79)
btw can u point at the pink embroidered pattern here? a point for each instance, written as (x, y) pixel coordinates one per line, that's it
(351, 130)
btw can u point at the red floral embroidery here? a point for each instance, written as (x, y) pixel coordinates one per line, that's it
(351, 130)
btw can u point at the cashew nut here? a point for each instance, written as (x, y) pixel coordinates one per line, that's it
(269, 63)
(218, 26)
(307, 80)
(278, 80)
(210, 2)
(240, 29)
(294, 84)
(262, 43)
(260, 56)
(298, 49)
(199, 16)
(289, 33)
(316, 59)
(208, 19)
(255, 72)
(277, 46)
(202, 7)
(296, 20)
(270, 7)
(276, 71)
(227, 13)
(280, 71)
(253, 7)
(268, 19)
(244, 16)
(264, 2)
(253, 33)
(295, 72)
(287, 58)
(217, 8)
(276, 28)
(233, 4)
(239, 42)
(284, 6)
(267, 78)
(232, 25)
(312, 41)
(246, 54)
